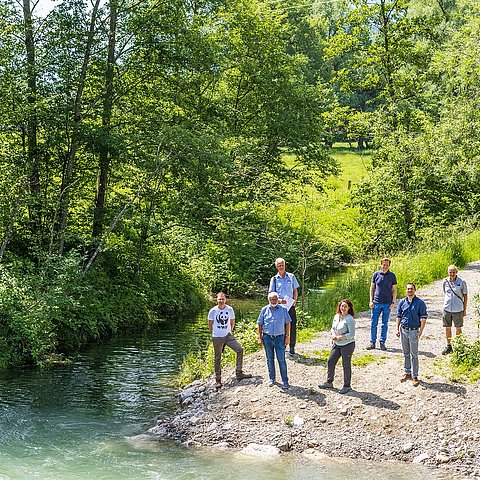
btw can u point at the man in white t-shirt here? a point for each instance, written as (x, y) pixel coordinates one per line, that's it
(221, 322)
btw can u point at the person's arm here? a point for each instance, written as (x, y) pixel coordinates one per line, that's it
(232, 324)
(210, 326)
(372, 290)
(350, 335)
(465, 299)
(423, 321)
(287, 333)
(295, 295)
(394, 296)
(260, 339)
(271, 287)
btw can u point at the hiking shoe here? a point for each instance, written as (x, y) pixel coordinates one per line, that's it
(326, 385)
(345, 390)
(242, 376)
(383, 347)
(218, 385)
(371, 346)
(415, 382)
(406, 377)
(448, 349)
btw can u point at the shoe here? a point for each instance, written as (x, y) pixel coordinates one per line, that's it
(218, 385)
(271, 383)
(326, 385)
(285, 386)
(448, 349)
(345, 390)
(406, 377)
(383, 347)
(242, 376)
(371, 346)
(415, 382)
(292, 351)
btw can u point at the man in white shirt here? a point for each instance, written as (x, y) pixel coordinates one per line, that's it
(221, 322)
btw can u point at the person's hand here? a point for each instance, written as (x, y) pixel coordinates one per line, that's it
(287, 340)
(370, 304)
(398, 333)
(282, 301)
(260, 341)
(392, 306)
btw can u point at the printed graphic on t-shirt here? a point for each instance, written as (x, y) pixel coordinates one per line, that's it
(221, 320)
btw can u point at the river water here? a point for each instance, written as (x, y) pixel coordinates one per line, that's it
(85, 421)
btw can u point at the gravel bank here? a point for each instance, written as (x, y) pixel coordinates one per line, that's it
(435, 424)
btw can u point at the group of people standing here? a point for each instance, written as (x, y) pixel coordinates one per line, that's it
(277, 324)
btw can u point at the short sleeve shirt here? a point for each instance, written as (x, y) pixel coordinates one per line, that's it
(273, 320)
(284, 286)
(383, 286)
(221, 320)
(454, 292)
(411, 313)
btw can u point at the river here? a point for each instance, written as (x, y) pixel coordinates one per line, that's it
(85, 421)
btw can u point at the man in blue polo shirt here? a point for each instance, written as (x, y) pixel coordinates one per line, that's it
(411, 319)
(274, 335)
(286, 285)
(383, 294)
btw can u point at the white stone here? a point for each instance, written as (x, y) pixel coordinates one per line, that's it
(297, 421)
(420, 458)
(227, 426)
(262, 451)
(407, 447)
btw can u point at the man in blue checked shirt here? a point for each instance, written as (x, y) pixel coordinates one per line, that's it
(411, 319)
(274, 334)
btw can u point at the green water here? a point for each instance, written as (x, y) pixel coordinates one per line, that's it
(86, 421)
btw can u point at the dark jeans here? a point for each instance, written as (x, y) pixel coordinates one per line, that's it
(346, 352)
(293, 328)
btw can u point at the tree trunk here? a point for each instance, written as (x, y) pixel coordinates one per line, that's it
(104, 157)
(32, 122)
(77, 119)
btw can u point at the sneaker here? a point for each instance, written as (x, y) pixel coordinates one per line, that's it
(345, 390)
(371, 346)
(326, 385)
(406, 377)
(383, 347)
(271, 383)
(285, 386)
(415, 382)
(243, 376)
(292, 351)
(448, 349)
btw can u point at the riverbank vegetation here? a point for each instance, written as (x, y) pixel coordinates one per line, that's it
(152, 154)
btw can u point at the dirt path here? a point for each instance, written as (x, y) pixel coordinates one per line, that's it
(437, 423)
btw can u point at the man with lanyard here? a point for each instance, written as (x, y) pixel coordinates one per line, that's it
(411, 319)
(455, 305)
(383, 294)
(273, 334)
(286, 285)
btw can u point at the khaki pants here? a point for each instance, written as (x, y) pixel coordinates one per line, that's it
(218, 346)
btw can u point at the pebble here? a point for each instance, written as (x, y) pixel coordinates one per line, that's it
(407, 447)
(421, 458)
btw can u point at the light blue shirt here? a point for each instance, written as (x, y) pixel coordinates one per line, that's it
(344, 326)
(273, 320)
(284, 286)
(454, 292)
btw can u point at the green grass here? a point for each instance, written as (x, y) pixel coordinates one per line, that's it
(421, 266)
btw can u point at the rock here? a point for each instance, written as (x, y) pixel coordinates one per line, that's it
(187, 401)
(322, 419)
(257, 450)
(441, 457)
(297, 421)
(284, 446)
(222, 445)
(421, 458)
(407, 447)
(227, 426)
(187, 393)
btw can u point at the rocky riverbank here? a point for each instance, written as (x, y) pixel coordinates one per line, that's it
(434, 424)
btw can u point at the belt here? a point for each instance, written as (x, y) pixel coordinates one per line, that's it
(273, 336)
(408, 328)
